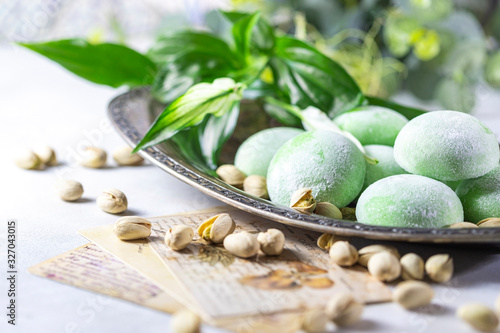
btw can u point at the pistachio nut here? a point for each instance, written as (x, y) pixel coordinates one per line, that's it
(231, 175)
(314, 321)
(26, 159)
(412, 267)
(368, 251)
(384, 266)
(492, 222)
(325, 241)
(459, 225)
(343, 309)
(348, 213)
(124, 156)
(132, 227)
(69, 190)
(478, 316)
(242, 244)
(439, 267)
(329, 210)
(93, 157)
(179, 237)
(46, 154)
(413, 294)
(216, 228)
(271, 242)
(343, 253)
(256, 185)
(112, 201)
(303, 201)
(185, 321)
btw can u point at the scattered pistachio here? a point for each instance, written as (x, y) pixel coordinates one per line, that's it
(271, 242)
(329, 210)
(478, 316)
(132, 227)
(492, 222)
(343, 309)
(69, 190)
(303, 201)
(439, 267)
(348, 213)
(242, 244)
(185, 321)
(26, 159)
(368, 251)
(179, 237)
(325, 241)
(216, 228)
(413, 294)
(46, 154)
(314, 321)
(231, 175)
(256, 185)
(343, 253)
(459, 225)
(384, 266)
(112, 201)
(412, 267)
(93, 157)
(124, 156)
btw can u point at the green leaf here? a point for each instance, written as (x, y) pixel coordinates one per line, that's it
(309, 78)
(108, 64)
(406, 111)
(242, 34)
(190, 109)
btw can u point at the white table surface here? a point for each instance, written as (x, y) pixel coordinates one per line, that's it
(40, 102)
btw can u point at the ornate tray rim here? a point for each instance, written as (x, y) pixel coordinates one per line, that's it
(118, 113)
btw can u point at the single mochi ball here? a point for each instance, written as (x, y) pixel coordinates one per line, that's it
(372, 125)
(385, 167)
(326, 162)
(255, 154)
(481, 196)
(446, 145)
(409, 201)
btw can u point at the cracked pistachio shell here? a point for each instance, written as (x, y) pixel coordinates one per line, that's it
(439, 267)
(303, 201)
(325, 241)
(179, 237)
(69, 190)
(343, 253)
(26, 159)
(231, 175)
(343, 309)
(367, 252)
(216, 228)
(315, 321)
(124, 156)
(256, 185)
(271, 242)
(412, 267)
(46, 154)
(93, 157)
(242, 244)
(112, 201)
(413, 294)
(185, 321)
(132, 227)
(329, 210)
(492, 222)
(384, 266)
(459, 225)
(478, 316)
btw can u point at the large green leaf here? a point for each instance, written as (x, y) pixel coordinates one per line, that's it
(242, 34)
(109, 64)
(406, 111)
(190, 109)
(309, 78)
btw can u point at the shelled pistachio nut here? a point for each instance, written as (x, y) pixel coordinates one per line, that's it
(491, 222)
(303, 201)
(325, 241)
(256, 185)
(413, 294)
(343, 309)
(69, 190)
(412, 267)
(132, 227)
(46, 154)
(124, 156)
(329, 210)
(216, 228)
(367, 252)
(93, 157)
(242, 244)
(26, 159)
(384, 266)
(314, 321)
(343, 253)
(478, 316)
(112, 201)
(348, 213)
(179, 237)
(460, 225)
(439, 267)
(271, 242)
(231, 175)
(185, 321)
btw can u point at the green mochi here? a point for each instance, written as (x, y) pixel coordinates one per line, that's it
(409, 201)
(446, 145)
(481, 196)
(324, 161)
(385, 167)
(372, 125)
(255, 154)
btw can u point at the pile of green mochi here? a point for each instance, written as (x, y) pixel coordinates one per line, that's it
(420, 165)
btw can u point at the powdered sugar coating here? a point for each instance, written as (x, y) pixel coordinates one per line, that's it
(385, 167)
(327, 162)
(409, 201)
(255, 154)
(481, 196)
(446, 145)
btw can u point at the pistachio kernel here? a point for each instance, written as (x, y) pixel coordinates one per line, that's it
(303, 201)
(216, 228)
